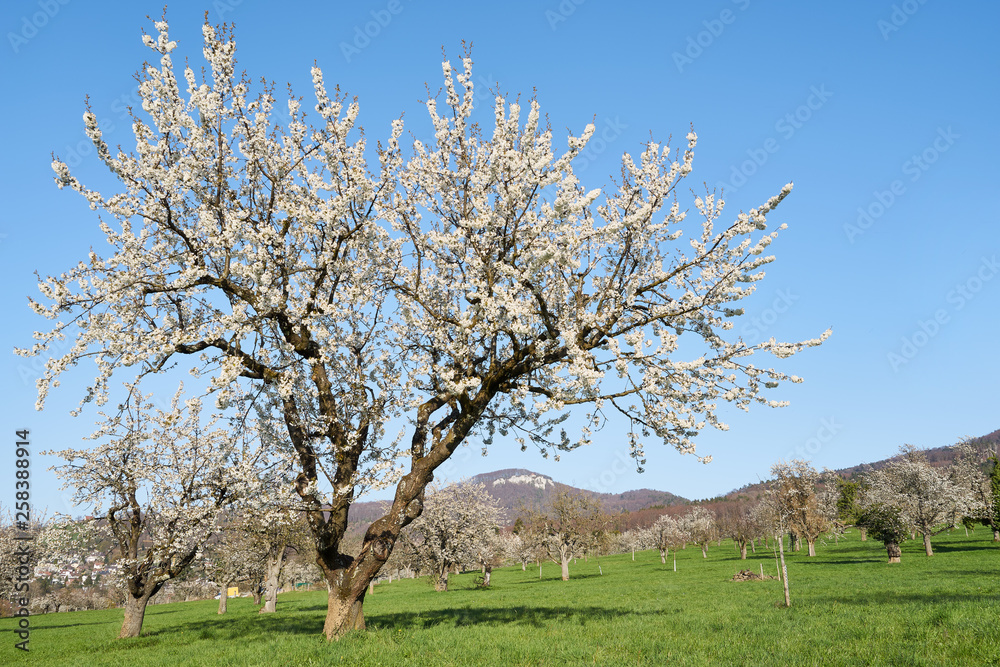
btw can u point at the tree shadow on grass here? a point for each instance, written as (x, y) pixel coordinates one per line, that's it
(572, 577)
(264, 627)
(256, 626)
(948, 548)
(536, 617)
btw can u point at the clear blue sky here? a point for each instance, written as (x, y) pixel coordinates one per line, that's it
(883, 114)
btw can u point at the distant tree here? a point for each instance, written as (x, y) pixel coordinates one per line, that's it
(887, 523)
(636, 539)
(933, 502)
(159, 483)
(452, 527)
(568, 529)
(667, 533)
(982, 487)
(739, 521)
(849, 505)
(699, 525)
(796, 485)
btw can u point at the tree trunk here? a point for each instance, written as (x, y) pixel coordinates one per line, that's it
(864, 534)
(996, 535)
(894, 551)
(812, 546)
(441, 583)
(487, 573)
(135, 611)
(743, 550)
(927, 544)
(273, 571)
(663, 556)
(257, 592)
(524, 566)
(704, 549)
(753, 547)
(223, 597)
(343, 615)
(565, 568)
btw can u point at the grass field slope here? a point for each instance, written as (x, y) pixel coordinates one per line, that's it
(849, 607)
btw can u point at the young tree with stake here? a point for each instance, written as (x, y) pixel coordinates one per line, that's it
(470, 282)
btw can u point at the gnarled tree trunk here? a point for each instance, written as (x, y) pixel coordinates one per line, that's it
(812, 546)
(272, 573)
(663, 556)
(743, 550)
(135, 612)
(927, 544)
(892, 548)
(564, 561)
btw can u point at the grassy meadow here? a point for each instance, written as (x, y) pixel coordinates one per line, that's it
(849, 607)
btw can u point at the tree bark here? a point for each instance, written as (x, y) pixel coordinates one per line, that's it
(565, 568)
(273, 572)
(864, 534)
(663, 556)
(996, 535)
(135, 612)
(223, 597)
(894, 551)
(487, 573)
(743, 550)
(927, 544)
(441, 583)
(812, 546)
(704, 549)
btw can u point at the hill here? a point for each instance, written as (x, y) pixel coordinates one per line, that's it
(514, 488)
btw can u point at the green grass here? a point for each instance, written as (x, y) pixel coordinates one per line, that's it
(848, 608)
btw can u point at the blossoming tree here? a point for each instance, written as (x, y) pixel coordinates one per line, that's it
(470, 283)
(458, 526)
(158, 483)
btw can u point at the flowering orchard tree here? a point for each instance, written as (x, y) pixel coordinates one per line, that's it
(928, 499)
(569, 528)
(456, 526)
(983, 487)
(667, 533)
(699, 525)
(159, 483)
(807, 499)
(470, 282)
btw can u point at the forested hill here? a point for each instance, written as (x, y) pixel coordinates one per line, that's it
(937, 456)
(515, 488)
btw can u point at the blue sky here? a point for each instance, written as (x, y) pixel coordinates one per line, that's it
(883, 114)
